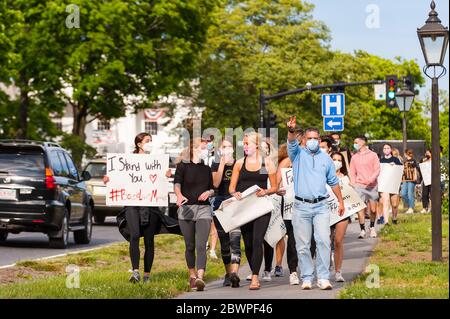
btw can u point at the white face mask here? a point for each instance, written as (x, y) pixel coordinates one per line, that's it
(148, 147)
(324, 150)
(337, 165)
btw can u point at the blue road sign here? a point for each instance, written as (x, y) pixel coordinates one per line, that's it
(333, 123)
(333, 104)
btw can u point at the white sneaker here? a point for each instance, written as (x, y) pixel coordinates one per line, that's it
(362, 234)
(423, 211)
(267, 276)
(306, 285)
(293, 279)
(338, 277)
(212, 254)
(409, 211)
(429, 210)
(249, 277)
(324, 284)
(373, 233)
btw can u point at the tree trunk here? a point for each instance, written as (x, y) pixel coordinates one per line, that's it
(22, 131)
(79, 121)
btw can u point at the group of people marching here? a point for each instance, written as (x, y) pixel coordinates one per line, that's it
(201, 185)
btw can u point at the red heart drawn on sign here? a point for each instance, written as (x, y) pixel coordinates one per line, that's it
(153, 178)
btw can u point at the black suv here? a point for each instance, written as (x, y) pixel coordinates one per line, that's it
(41, 191)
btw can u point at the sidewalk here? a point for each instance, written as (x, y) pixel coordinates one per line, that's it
(356, 254)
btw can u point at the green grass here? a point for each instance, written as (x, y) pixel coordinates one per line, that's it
(104, 274)
(404, 260)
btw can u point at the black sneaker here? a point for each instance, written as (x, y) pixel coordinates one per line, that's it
(234, 278)
(227, 281)
(394, 221)
(146, 278)
(135, 277)
(278, 271)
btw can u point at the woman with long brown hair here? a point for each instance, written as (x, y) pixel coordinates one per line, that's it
(193, 187)
(141, 219)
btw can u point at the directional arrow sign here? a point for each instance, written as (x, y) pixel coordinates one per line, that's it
(333, 123)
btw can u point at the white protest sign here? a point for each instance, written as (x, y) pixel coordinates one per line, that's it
(276, 229)
(390, 178)
(234, 213)
(287, 177)
(425, 170)
(352, 203)
(136, 179)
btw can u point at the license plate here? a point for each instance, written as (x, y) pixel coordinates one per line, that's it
(99, 191)
(8, 194)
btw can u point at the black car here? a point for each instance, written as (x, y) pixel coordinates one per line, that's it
(41, 191)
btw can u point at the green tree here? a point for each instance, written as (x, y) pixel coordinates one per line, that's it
(276, 45)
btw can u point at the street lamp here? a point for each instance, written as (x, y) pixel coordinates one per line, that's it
(404, 100)
(433, 37)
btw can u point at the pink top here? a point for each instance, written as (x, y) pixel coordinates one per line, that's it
(364, 168)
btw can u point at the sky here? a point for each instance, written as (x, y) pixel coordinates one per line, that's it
(354, 25)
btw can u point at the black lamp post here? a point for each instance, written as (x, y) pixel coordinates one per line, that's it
(404, 99)
(433, 37)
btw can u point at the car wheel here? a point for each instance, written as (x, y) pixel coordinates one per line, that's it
(99, 219)
(84, 236)
(62, 240)
(3, 236)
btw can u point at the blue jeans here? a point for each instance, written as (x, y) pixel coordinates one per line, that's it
(408, 190)
(304, 216)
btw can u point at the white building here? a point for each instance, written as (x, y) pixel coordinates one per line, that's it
(117, 135)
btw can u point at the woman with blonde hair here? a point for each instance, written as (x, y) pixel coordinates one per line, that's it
(254, 169)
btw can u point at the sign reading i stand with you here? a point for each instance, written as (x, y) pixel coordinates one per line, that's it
(136, 179)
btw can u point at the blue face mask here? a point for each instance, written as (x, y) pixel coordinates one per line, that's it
(210, 146)
(312, 145)
(356, 146)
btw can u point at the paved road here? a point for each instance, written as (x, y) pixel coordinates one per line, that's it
(356, 254)
(35, 245)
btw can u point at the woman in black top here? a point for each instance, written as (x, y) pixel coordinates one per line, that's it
(193, 187)
(254, 169)
(230, 243)
(142, 220)
(386, 197)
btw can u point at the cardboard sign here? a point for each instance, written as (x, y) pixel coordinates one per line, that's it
(136, 179)
(276, 229)
(425, 170)
(390, 178)
(234, 213)
(352, 203)
(287, 176)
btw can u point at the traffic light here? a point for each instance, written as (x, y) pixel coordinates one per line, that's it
(391, 90)
(409, 83)
(272, 120)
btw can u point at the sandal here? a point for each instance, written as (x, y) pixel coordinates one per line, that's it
(254, 286)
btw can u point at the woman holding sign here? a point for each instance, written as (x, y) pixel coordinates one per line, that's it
(389, 158)
(193, 187)
(141, 220)
(254, 169)
(339, 229)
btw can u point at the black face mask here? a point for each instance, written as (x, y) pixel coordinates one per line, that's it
(428, 156)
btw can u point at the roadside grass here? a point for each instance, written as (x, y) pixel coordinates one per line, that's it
(403, 256)
(103, 273)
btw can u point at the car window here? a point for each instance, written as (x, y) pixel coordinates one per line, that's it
(22, 163)
(72, 168)
(56, 163)
(97, 170)
(65, 166)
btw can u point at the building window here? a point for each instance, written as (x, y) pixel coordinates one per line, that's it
(58, 124)
(151, 127)
(103, 125)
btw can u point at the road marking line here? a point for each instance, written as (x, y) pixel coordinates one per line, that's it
(62, 255)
